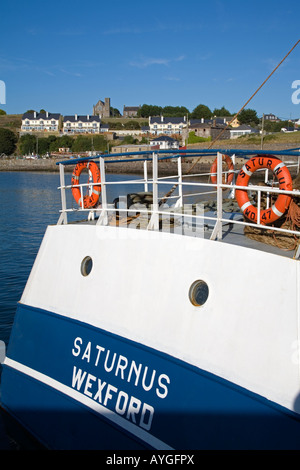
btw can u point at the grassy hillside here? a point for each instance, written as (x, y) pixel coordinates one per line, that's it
(14, 121)
(11, 121)
(278, 137)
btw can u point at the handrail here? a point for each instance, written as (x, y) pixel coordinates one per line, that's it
(187, 152)
(156, 182)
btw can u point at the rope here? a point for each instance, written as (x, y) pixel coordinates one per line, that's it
(219, 135)
(283, 241)
(294, 215)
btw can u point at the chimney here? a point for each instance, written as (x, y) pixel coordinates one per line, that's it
(34, 114)
(202, 120)
(47, 114)
(88, 117)
(75, 117)
(162, 118)
(184, 118)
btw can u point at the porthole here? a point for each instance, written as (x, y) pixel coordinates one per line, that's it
(86, 266)
(198, 293)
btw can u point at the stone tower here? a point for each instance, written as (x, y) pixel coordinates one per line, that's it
(102, 109)
(106, 108)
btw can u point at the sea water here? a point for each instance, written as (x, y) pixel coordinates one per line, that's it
(29, 202)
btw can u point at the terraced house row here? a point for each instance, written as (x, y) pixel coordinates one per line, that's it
(55, 122)
(157, 125)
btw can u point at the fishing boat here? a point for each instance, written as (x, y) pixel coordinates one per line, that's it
(158, 318)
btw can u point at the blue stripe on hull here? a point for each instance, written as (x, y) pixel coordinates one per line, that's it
(59, 422)
(143, 398)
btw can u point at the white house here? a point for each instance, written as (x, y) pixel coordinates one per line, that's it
(167, 125)
(164, 142)
(33, 121)
(271, 117)
(242, 130)
(81, 124)
(296, 122)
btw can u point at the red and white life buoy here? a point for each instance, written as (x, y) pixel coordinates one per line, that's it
(230, 170)
(92, 199)
(285, 183)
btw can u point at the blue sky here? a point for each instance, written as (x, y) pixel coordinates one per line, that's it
(64, 56)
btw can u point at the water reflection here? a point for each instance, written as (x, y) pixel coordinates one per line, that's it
(29, 202)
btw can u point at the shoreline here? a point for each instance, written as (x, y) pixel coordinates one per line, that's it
(50, 165)
(165, 167)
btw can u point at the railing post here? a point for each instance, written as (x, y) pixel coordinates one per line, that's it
(258, 206)
(63, 219)
(217, 231)
(268, 194)
(232, 192)
(154, 221)
(103, 219)
(145, 176)
(179, 180)
(81, 197)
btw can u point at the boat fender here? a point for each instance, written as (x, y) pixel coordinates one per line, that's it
(284, 178)
(92, 199)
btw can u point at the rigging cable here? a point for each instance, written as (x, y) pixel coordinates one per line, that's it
(223, 130)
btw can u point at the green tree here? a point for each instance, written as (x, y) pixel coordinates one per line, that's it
(132, 125)
(115, 125)
(149, 110)
(82, 144)
(8, 140)
(27, 144)
(54, 144)
(43, 145)
(99, 143)
(270, 126)
(129, 139)
(169, 111)
(221, 112)
(175, 111)
(201, 111)
(2, 112)
(114, 112)
(65, 141)
(248, 116)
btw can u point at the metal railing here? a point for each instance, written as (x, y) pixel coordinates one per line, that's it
(178, 183)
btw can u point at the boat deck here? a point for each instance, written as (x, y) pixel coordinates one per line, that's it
(202, 205)
(232, 233)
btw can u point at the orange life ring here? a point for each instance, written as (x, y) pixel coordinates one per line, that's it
(88, 200)
(230, 167)
(285, 182)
